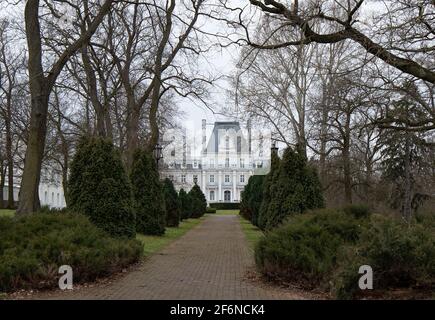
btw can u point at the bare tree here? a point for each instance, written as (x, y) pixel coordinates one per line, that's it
(276, 86)
(42, 80)
(11, 84)
(414, 20)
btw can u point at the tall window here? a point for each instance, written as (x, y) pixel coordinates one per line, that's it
(227, 195)
(227, 162)
(242, 178)
(183, 178)
(211, 178)
(211, 195)
(239, 144)
(227, 178)
(242, 163)
(195, 178)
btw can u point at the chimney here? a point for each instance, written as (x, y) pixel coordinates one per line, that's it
(204, 146)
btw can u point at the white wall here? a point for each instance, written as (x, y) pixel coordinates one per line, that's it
(49, 195)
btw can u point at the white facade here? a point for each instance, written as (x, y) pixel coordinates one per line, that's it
(49, 195)
(224, 165)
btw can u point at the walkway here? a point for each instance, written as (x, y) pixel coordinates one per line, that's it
(211, 261)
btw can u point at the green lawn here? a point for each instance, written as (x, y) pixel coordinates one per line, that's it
(153, 244)
(7, 213)
(227, 212)
(252, 233)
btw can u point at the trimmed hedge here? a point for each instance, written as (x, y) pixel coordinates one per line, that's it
(34, 247)
(172, 204)
(210, 210)
(225, 205)
(98, 187)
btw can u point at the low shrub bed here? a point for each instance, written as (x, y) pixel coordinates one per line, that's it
(304, 249)
(401, 255)
(324, 249)
(210, 210)
(33, 248)
(225, 205)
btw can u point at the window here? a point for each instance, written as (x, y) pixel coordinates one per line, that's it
(227, 142)
(242, 163)
(52, 198)
(195, 178)
(227, 178)
(211, 178)
(58, 200)
(227, 162)
(242, 178)
(195, 164)
(171, 177)
(45, 197)
(239, 144)
(212, 195)
(227, 195)
(173, 153)
(183, 178)
(211, 163)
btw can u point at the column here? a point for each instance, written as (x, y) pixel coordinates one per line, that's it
(219, 196)
(234, 185)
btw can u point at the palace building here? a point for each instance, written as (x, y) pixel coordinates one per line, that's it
(229, 155)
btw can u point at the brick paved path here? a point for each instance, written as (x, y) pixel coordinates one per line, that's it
(211, 261)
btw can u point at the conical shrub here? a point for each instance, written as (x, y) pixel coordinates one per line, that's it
(198, 201)
(185, 204)
(98, 187)
(148, 199)
(172, 204)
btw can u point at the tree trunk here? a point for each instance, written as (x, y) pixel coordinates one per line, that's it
(2, 183)
(132, 134)
(40, 88)
(10, 159)
(91, 82)
(346, 163)
(407, 196)
(29, 196)
(39, 93)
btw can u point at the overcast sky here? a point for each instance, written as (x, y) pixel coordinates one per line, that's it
(220, 62)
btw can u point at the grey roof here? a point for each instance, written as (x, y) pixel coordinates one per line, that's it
(213, 142)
